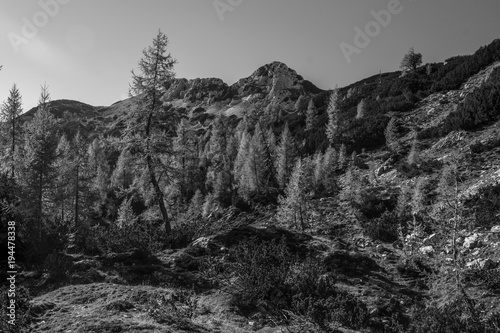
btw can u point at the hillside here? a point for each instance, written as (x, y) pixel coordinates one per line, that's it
(377, 210)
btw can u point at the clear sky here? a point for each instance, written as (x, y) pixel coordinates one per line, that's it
(85, 49)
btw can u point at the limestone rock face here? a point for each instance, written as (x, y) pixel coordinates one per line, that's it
(274, 87)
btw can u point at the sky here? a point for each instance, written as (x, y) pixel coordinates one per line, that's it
(85, 49)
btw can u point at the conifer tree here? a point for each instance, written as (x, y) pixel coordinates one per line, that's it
(318, 170)
(391, 136)
(195, 209)
(240, 166)
(361, 109)
(328, 178)
(221, 153)
(126, 215)
(143, 127)
(404, 198)
(62, 190)
(218, 140)
(293, 207)
(99, 166)
(301, 104)
(342, 160)
(256, 168)
(311, 117)
(186, 157)
(351, 191)
(332, 129)
(123, 174)
(81, 176)
(241, 156)
(285, 157)
(448, 208)
(271, 144)
(41, 147)
(411, 60)
(413, 155)
(10, 117)
(415, 228)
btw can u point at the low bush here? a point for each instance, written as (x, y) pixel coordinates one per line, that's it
(383, 228)
(58, 266)
(270, 278)
(485, 206)
(22, 311)
(458, 316)
(261, 269)
(112, 238)
(489, 279)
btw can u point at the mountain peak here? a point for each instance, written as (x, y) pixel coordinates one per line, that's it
(276, 68)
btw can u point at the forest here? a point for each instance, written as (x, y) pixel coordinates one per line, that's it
(160, 177)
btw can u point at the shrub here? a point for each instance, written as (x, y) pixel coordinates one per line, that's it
(488, 278)
(458, 316)
(383, 228)
(413, 267)
(367, 132)
(375, 201)
(142, 236)
(261, 269)
(271, 279)
(22, 312)
(58, 266)
(485, 205)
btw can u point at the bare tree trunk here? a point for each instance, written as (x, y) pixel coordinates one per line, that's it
(152, 176)
(159, 194)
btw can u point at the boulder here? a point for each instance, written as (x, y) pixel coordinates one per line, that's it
(472, 242)
(426, 250)
(482, 264)
(495, 229)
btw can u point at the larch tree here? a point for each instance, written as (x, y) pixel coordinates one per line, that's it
(391, 136)
(123, 174)
(293, 207)
(186, 159)
(99, 167)
(328, 177)
(242, 153)
(361, 109)
(411, 60)
(332, 128)
(256, 168)
(221, 154)
(143, 127)
(285, 157)
(72, 194)
(41, 152)
(62, 190)
(342, 160)
(10, 113)
(413, 155)
(448, 209)
(80, 175)
(311, 116)
(301, 104)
